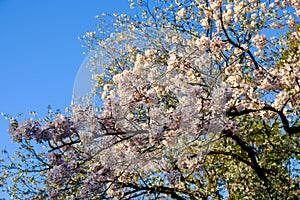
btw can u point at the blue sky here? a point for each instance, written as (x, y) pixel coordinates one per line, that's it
(40, 52)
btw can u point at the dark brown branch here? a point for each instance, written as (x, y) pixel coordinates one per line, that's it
(236, 156)
(63, 145)
(235, 44)
(286, 126)
(154, 190)
(252, 155)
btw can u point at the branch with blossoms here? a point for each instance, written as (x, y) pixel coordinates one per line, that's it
(233, 112)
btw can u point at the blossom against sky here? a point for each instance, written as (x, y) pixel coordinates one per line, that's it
(40, 53)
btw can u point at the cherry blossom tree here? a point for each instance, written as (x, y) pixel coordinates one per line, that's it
(191, 99)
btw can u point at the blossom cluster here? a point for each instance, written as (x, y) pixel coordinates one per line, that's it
(58, 129)
(162, 100)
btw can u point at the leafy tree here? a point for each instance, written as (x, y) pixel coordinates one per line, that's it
(191, 100)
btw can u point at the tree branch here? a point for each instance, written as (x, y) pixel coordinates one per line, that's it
(286, 126)
(252, 155)
(156, 189)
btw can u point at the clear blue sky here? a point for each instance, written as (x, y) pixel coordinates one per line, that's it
(40, 52)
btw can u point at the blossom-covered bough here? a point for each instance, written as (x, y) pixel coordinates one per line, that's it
(191, 100)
